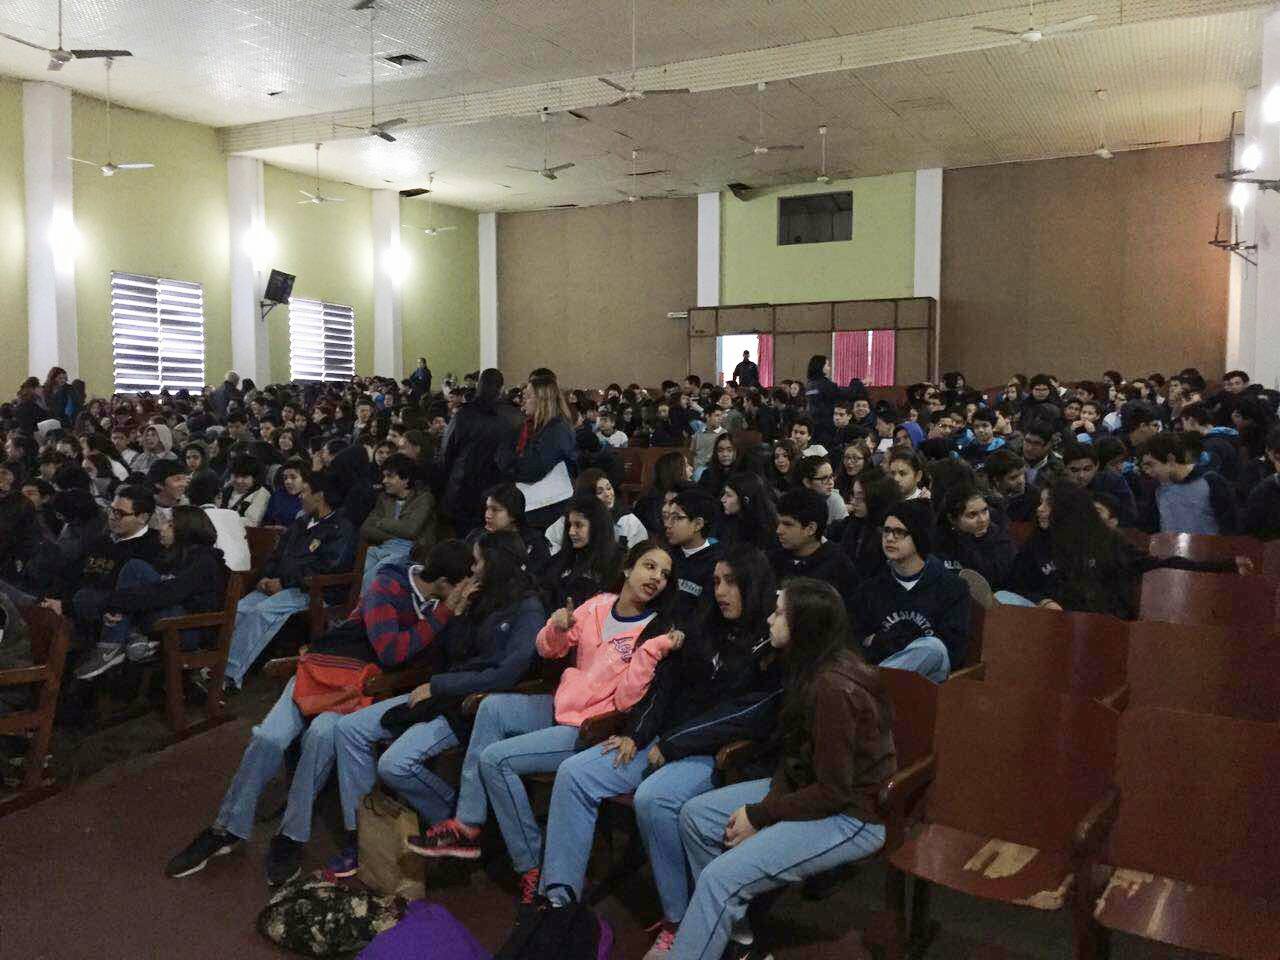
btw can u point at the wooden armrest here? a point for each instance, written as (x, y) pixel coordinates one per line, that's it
(899, 796)
(189, 621)
(282, 668)
(1092, 831)
(1117, 699)
(20, 676)
(399, 681)
(598, 729)
(736, 754)
(977, 672)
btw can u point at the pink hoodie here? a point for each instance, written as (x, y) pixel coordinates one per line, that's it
(606, 677)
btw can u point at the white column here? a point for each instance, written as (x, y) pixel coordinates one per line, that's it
(709, 249)
(252, 249)
(487, 239)
(928, 247)
(51, 236)
(1264, 367)
(388, 276)
(1242, 312)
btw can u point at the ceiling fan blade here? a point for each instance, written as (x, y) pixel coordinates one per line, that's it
(88, 162)
(333, 199)
(559, 167)
(25, 43)
(652, 93)
(384, 135)
(785, 146)
(1066, 25)
(99, 54)
(135, 166)
(389, 124)
(309, 196)
(444, 229)
(548, 174)
(1003, 33)
(605, 80)
(617, 103)
(522, 169)
(649, 173)
(743, 156)
(1146, 143)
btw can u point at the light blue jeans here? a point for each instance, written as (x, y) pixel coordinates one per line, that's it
(263, 759)
(402, 767)
(514, 734)
(389, 551)
(727, 880)
(1011, 599)
(587, 778)
(926, 656)
(258, 619)
(134, 573)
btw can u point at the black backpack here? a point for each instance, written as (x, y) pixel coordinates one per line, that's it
(571, 932)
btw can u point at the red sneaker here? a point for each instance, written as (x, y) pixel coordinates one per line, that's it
(449, 838)
(529, 886)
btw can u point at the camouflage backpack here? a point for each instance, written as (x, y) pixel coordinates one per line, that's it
(320, 919)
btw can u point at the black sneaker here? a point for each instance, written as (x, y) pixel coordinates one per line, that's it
(209, 844)
(284, 860)
(745, 951)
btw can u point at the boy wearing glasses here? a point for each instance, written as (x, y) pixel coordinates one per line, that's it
(915, 614)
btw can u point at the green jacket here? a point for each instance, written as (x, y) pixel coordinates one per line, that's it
(416, 520)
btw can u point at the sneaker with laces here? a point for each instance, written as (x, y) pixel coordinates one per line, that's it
(661, 948)
(139, 648)
(105, 656)
(284, 860)
(529, 886)
(209, 844)
(449, 838)
(344, 864)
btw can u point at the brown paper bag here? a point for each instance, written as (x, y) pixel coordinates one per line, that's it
(386, 864)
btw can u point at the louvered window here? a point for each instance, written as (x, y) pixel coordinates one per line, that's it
(157, 334)
(322, 340)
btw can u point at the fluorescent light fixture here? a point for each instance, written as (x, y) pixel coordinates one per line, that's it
(1241, 194)
(1271, 105)
(1250, 157)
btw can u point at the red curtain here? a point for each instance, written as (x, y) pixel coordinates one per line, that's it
(882, 346)
(850, 359)
(764, 358)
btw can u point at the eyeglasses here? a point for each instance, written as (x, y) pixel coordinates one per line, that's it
(824, 478)
(120, 514)
(671, 516)
(895, 533)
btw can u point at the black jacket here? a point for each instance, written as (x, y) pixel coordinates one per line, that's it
(821, 395)
(471, 449)
(195, 580)
(691, 579)
(327, 546)
(938, 605)
(103, 560)
(492, 655)
(992, 556)
(828, 563)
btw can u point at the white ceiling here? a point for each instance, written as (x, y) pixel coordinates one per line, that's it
(901, 84)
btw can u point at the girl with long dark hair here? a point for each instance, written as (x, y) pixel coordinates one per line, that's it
(782, 466)
(670, 474)
(974, 536)
(819, 810)
(626, 525)
(724, 462)
(749, 515)
(590, 561)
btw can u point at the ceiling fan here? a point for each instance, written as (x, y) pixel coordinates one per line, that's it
(631, 93)
(1033, 33)
(430, 231)
(109, 168)
(634, 194)
(59, 56)
(1103, 152)
(319, 197)
(547, 172)
(375, 128)
(758, 147)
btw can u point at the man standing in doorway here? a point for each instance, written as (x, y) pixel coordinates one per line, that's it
(747, 373)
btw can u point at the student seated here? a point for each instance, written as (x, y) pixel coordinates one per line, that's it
(245, 494)
(916, 614)
(974, 537)
(627, 527)
(320, 541)
(1262, 510)
(803, 551)
(985, 442)
(1007, 474)
(819, 810)
(398, 621)
(704, 442)
(747, 514)
(404, 514)
(1190, 498)
(817, 474)
(781, 470)
(619, 641)
(504, 510)
(1081, 460)
(910, 471)
(608, 432)
(591, 562)
(688, 521)
(1037, 449)
(723, 684)
(202, 492)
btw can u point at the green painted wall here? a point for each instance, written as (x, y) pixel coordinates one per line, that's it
(878, 262)
(441, 292)
(13, 254)
(329, 248)
(168, 222)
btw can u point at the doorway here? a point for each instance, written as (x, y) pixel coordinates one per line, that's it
(729, 350)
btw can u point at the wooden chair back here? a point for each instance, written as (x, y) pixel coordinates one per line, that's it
(1199, 800)
(915, 713)
(1083, 654)
(1020, 764)
(1212, 599)
(50, 640)
(1200, 669)
(1203, 546)
(981, 600)
(638, 468)
(262, 540)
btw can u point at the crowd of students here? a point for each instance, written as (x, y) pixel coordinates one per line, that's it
(750, 592)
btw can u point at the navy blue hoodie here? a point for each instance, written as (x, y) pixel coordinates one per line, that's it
(937, 606)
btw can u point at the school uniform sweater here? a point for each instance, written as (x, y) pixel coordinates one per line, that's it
(829, 563)
(935, 604)
(991, 555)
(691, 575)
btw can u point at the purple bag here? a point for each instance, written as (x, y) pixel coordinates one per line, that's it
(427, 931)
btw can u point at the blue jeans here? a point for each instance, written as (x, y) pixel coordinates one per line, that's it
(263, 759)
(727, 880)
(389, 551)
(135, 573)
(259, 618)
(587, 778)
(926, 656)
(1011, 599)
(514, 734)
(403, 766)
